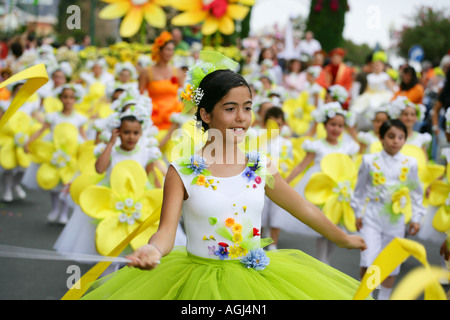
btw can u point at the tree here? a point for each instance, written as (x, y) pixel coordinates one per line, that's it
(327, 20)
(430, 29)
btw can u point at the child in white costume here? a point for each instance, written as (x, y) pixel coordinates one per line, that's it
(387, 197)
(334, 119)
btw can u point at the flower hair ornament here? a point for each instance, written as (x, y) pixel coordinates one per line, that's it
(338, 93)
(77, 88)
(373, 110)
(160, 42)
(397, 106)
(209, 61)
(314, 71)
(331, 110)
(121, 66)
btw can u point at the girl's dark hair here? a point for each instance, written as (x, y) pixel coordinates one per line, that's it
(414, 80)
(274, 112)
(215, 86)
(129, 118)
(392, 123)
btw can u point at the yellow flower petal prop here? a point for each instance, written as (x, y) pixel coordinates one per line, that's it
(333, 187)
(133, 13)
(52, 104)
(216, 15)
(441, 221)
(394, 254)
(59, 165)
(440, 197)
(121, 208)
(401, 203)
(82, 285)
(36, 77)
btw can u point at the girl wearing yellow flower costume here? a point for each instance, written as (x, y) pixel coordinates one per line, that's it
(221, 203)
(335, 120)
(69, 95)
(387, 197)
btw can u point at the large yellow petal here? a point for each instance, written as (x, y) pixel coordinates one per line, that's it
(183, 5)
(441, 221)
(189, 18)
(349, 217)
(333, 209)
(41, 151)
(23, 158)
(97, 202)
(431, 172)
(237, 12)
(210, 26)
(65, 137)
(319, 188)
(155, 16)
(52, 104)
(8, 158)
(132, 22)
(81, 182)
(339, 167)
(47, 176)
(142, 238)
(68, 172)
(115, 10)
(19, 122)
(226, 25)
(109, 233)
(439, 192)
(151, 199)
(128, 179)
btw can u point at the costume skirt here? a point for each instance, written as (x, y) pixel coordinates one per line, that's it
(290, 275)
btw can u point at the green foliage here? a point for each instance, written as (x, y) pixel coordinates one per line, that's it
(327, 23)
(356, 54)
(430, 29)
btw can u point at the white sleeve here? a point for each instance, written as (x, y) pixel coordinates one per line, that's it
(416, 195)
(361, 192)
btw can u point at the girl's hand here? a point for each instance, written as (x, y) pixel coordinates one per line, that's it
(354, 242)
(114, 135)
(359, 224)
(146, 257)
(414, 228)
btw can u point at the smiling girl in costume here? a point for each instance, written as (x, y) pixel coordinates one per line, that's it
(221, 197)
(387, 197)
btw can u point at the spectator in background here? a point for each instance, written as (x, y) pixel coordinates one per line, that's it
(410, 86)
(180, 44)
(309, 45)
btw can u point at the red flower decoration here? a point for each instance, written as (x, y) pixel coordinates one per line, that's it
(258, 180)
(256, 232)
(174, 80)
(218, 8)
(223, 244)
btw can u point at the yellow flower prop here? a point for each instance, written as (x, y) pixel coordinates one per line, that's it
(392, 256)
(134, 12)
(440, 197)
(58, 158)
(298, 113)
(401, 203)
(13, 138)
(122, 207)
(216, 15)
(333, 187)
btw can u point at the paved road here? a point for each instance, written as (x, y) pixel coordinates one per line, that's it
(23, 223)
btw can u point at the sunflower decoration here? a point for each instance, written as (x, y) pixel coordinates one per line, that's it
(122, 207)
(440, 197)
(333, 187)
(13, 138)
(134, 13)
(57, 158)
(216, 15)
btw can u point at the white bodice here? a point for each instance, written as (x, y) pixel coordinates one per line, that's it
(222, 216)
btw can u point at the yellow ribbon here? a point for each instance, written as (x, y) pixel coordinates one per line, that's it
(390, 258)
(36, 77)
(82, 285)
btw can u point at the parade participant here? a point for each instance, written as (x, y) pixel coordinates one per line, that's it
(387, 197)
(221, 197)
(377, 116)
(335, 120)
(162, 81)
(410, 86)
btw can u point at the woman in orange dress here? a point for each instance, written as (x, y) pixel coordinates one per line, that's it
(410, 86)
(162, 82)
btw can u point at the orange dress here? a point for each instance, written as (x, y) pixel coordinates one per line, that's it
(164, 95)
(415, 94)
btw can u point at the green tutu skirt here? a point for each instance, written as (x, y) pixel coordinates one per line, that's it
(290, 275)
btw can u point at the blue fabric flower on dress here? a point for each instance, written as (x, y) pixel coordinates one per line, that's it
(222, 253)
(249, 174)
(197, 164)
(256, 259)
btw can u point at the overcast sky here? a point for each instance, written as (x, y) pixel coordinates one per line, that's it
(367, 22)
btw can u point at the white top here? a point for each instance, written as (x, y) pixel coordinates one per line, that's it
(379, 177)
(309, 47)
(321, 148)
(28, 107)
(420, 139)
(368, 138)
(221, 212)
(377, 82)
(55, 118)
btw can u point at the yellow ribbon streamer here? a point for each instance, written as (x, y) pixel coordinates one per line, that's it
(390, 258)
(82, 285)
(36, 77)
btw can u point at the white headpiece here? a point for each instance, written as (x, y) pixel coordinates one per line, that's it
(331, 110)
(399, 104)
(338, 93)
